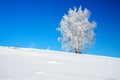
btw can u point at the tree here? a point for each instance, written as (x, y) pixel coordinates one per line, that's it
(77, 31)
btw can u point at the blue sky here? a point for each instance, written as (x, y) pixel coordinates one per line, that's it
(34, 22)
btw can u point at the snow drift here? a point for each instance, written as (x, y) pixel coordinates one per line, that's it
(35, 64)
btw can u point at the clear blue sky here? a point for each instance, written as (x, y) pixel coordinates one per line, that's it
(27, 22)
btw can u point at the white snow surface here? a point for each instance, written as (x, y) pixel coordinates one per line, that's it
(35, 64)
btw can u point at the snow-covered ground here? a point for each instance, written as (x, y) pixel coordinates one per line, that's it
(34, 64)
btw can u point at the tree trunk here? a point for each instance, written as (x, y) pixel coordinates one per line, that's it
(77, 51)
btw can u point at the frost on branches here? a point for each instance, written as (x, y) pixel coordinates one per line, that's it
(77, 31)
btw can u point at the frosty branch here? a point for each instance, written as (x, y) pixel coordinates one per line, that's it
(77, 31)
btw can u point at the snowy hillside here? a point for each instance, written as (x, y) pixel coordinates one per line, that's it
(34, 64)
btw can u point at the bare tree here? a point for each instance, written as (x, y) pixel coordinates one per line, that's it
(77, 31)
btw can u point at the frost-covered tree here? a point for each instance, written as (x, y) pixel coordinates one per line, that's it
(77, 31)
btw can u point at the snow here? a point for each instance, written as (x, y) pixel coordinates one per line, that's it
(35, 64)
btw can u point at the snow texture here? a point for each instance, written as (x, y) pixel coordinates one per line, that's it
(35, 64)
